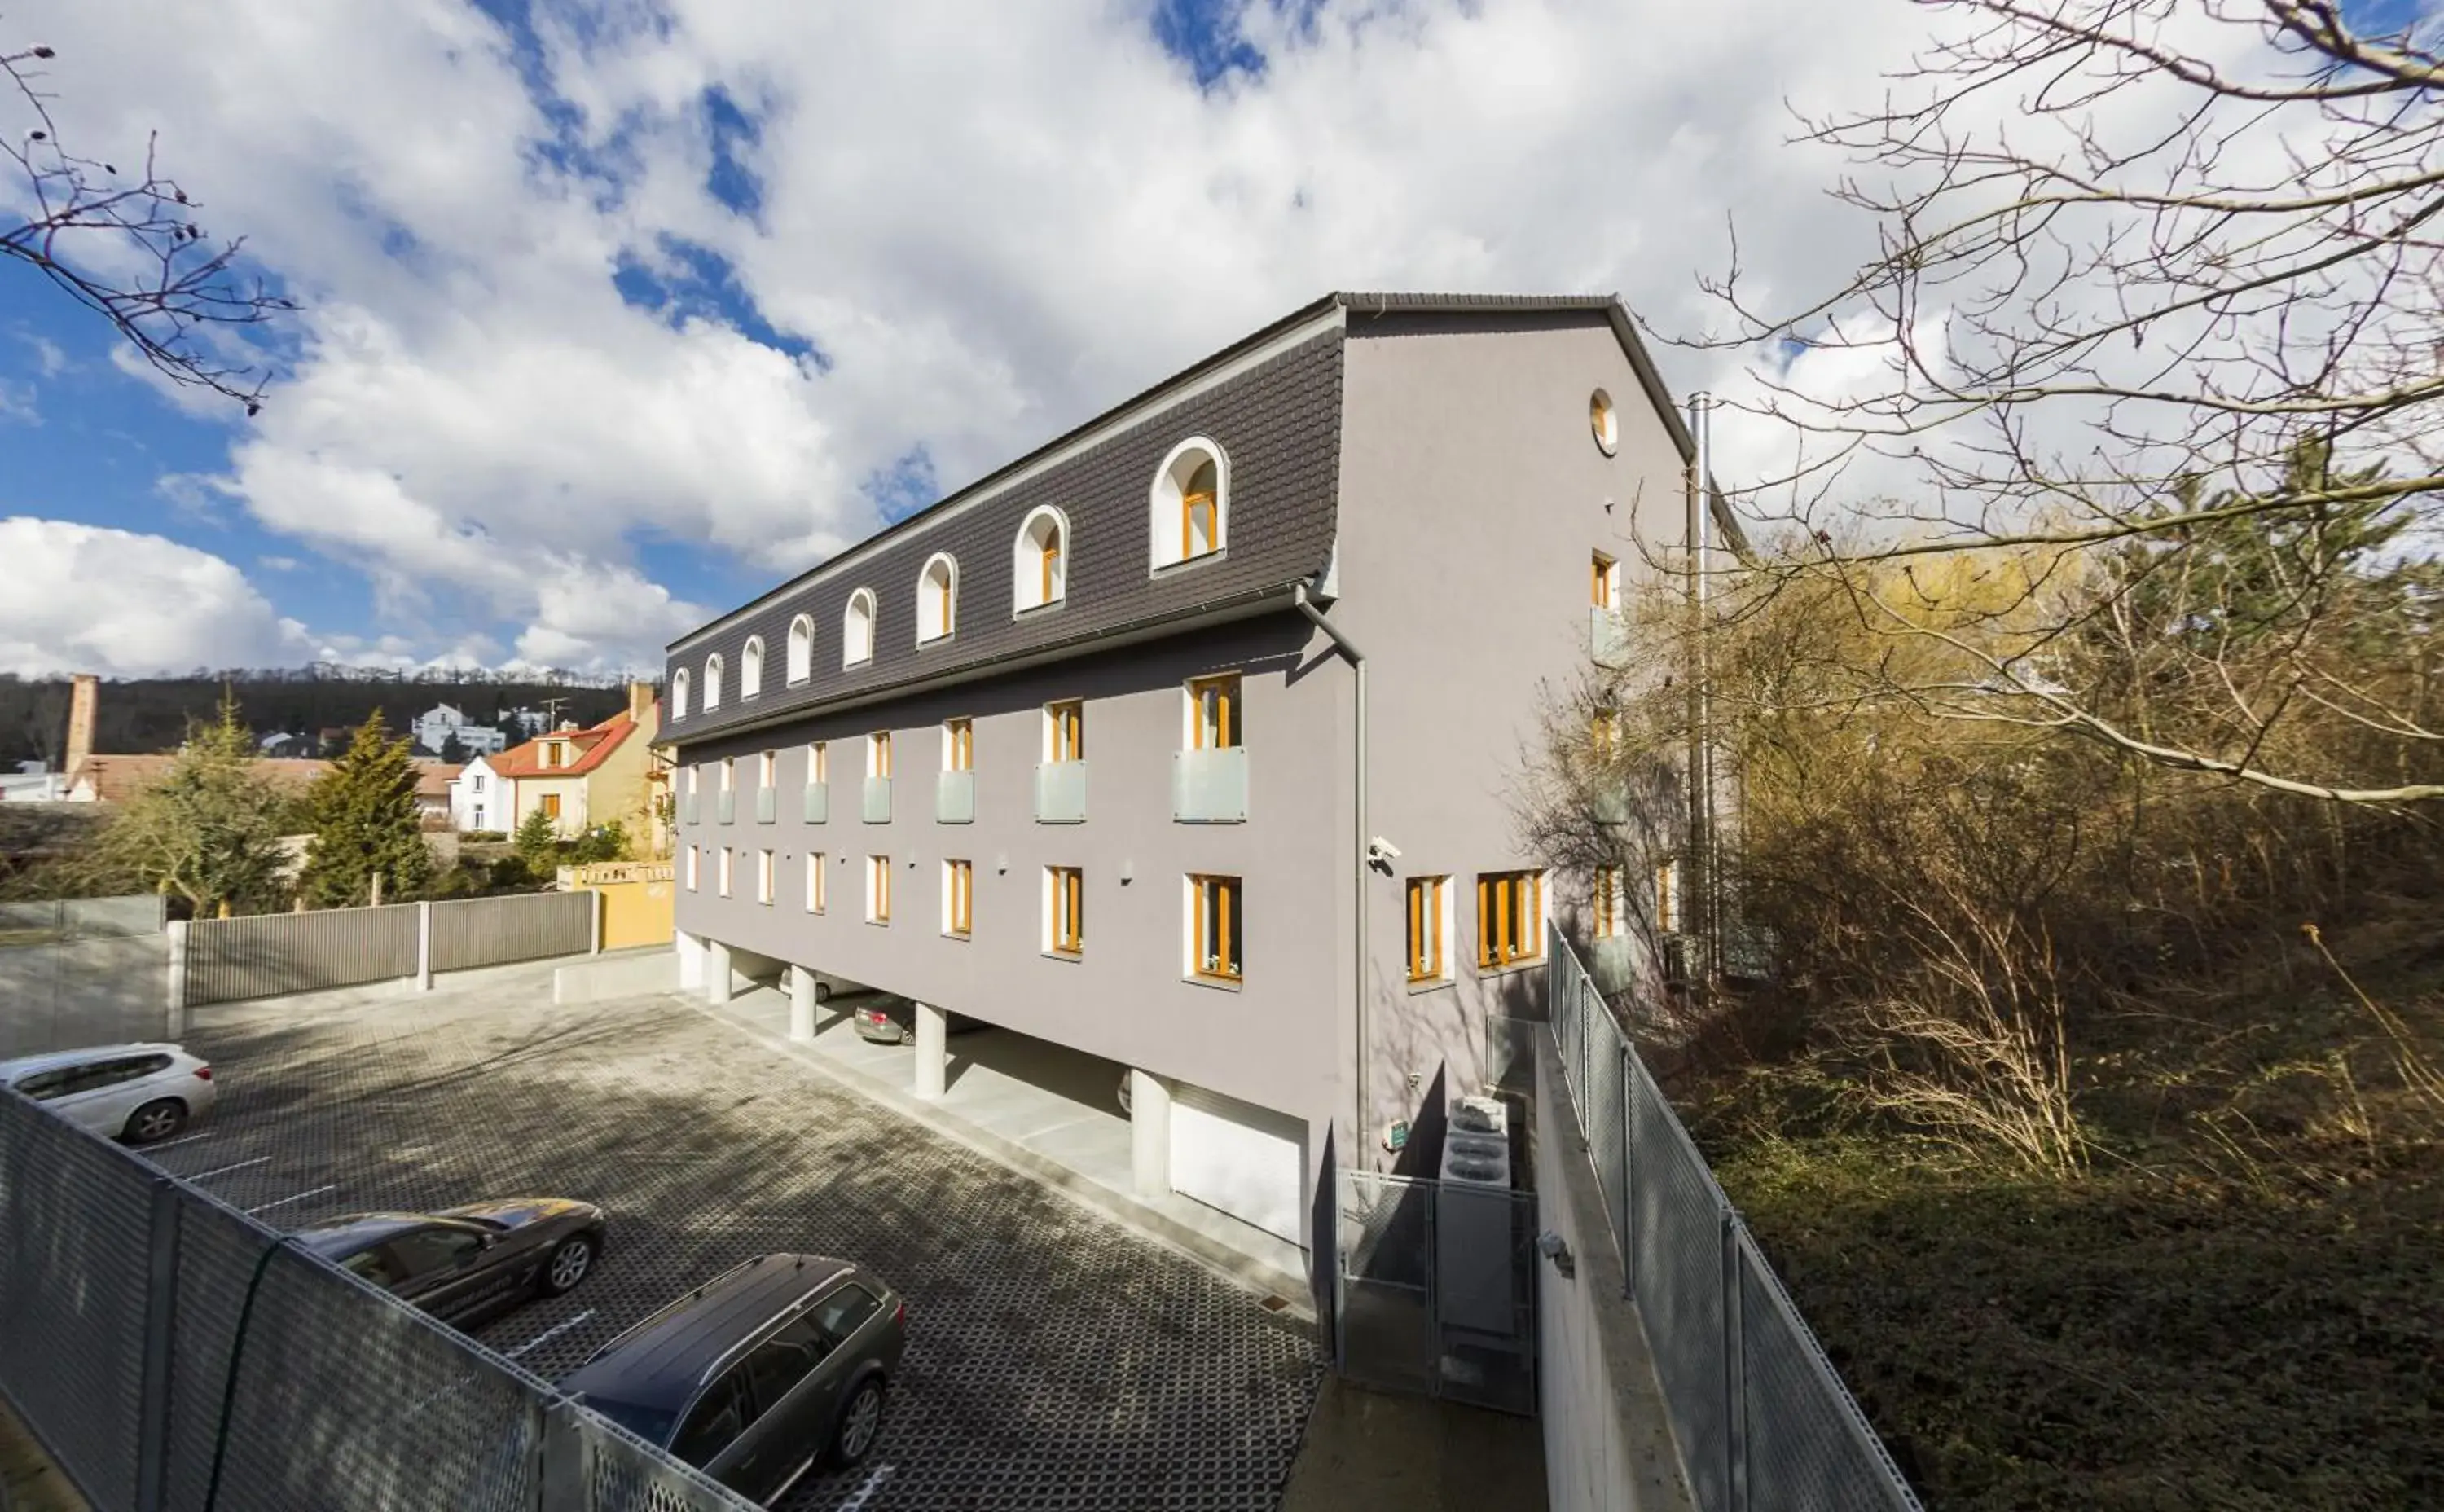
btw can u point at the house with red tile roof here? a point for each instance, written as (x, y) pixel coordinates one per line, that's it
(580, 778)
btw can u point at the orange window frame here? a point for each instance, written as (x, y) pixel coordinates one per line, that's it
(550, 803)
(963, 896)
(1608, 901)
(878, 883)
(879, 753)
(819, 762)
(1606, 579)
(1069, 731)
(963, 745)
(1427, 955)
(1509, 909)
(1215, 719)
(1217, 947)
(1068, 910)
(1049, 558)
(814, 882)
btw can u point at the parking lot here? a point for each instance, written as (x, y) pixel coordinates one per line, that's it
(1055, 1358)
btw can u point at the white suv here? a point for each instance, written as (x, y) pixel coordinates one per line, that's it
(139, 1093)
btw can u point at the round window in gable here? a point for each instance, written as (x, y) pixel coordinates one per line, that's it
(1602, 420)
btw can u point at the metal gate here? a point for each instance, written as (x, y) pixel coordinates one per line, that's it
(1437, 1289)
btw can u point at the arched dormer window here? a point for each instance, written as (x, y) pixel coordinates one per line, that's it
(679, 694)
(712, 682)
(751, 668)
(1040, 560)
(802, 648)
(857, 628)
(937, 598)
(1190, 503)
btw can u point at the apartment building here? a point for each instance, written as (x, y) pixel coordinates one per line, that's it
(1191, 739)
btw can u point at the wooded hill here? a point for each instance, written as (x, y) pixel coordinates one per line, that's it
(136, 716)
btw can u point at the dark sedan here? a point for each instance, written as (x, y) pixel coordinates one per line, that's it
(470, 1260)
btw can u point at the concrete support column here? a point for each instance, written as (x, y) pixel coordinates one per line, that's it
(177, 1018)
(716, 972)
(690, 954)
(1149, 1135)
(802, 1004)
(423, 946)
(932, 1050)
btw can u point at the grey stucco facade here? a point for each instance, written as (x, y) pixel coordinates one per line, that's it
(1424, 471)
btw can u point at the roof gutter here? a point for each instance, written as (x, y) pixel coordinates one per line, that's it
(1243, 605)
(1363, 1102)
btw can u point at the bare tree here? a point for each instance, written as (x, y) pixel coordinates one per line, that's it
(128, 248)
(2156, 307)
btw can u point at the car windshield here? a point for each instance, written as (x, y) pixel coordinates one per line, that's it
(650, 1423)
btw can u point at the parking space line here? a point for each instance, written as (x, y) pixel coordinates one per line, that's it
(856, 1499)
(182, 1139)
(548, 1334)
(298, 1197)
(223, 1171)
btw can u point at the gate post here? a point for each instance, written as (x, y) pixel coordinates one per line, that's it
(177, 1009)
(594, 920)
(424, 946)
(161, 1324)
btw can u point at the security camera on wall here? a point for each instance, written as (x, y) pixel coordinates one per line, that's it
(1382, 852)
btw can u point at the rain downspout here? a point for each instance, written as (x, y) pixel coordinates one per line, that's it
(1357, 660)
(1701, 748)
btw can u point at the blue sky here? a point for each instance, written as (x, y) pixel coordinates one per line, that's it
(613, 314)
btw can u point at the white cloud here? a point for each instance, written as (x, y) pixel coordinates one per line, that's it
(85, 599)
(993, 221)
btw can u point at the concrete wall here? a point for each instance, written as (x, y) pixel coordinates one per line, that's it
(1127, 997)
(1608, 1445)
(1473, 497)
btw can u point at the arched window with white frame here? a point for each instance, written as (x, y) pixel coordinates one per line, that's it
(713, 682)
(751, 668)
(679, 694)
(1040, 560)
(802, 648)
(857, 628)
(1190, 503)
(937, 598)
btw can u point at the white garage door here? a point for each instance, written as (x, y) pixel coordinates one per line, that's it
(1238, 1157)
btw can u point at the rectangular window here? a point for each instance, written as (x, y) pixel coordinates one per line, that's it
(692, 855)
(878, 754)
(1065, 909)
(958, 746)
(764, 877)
(1610, 906)
(1064, 731)
(819, 762)
(767, 769)
(1213, 714)
(729, 773)
(479, 781)
(814, 882)
(958, 898)
(1213, 928)
(1509, 918)
(877, 890)
(1667, 898)
(1429, 929)
(551, 805)
(1607, 582)
(722, 859)
(1051, 563)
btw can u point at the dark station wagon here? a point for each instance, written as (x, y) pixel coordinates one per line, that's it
(757, 1373)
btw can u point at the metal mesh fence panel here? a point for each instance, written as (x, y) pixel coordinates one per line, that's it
(272, 953)
(1388, 1329)
(218, 1252)
(497, 931)
(1677, 1270)
(1809, 1447)
(624, 1474)
(1604, 1117)
(68, 993)
(72, 1295)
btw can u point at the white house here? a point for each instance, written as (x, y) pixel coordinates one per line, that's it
(434, 727)
(481, 798)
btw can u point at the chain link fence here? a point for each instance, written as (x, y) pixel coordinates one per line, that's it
(173, 1354)
(1762, 1418)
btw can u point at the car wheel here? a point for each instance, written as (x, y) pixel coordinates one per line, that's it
(861, 1424)
(155, 1121)
(570, 1262)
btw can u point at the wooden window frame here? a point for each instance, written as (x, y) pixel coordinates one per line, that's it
(815, 882)
(1499, 899)
(1667, 897)
(1606, 585)
(819, 761)
(1066, 904)
(768, 769)
(729, 773)
(1048, 559)
(959, 745)
(877, 890)
(1219, 897)
(1428, 944)
(549, 804)
(1065, 730)
(694, 864)
(1224, 732)
(1608, 901)
(877, 753)
(767, 878)
(721, 865)
(960, 884)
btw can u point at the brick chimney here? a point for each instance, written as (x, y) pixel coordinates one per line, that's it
(640, 704)
(85, 689)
